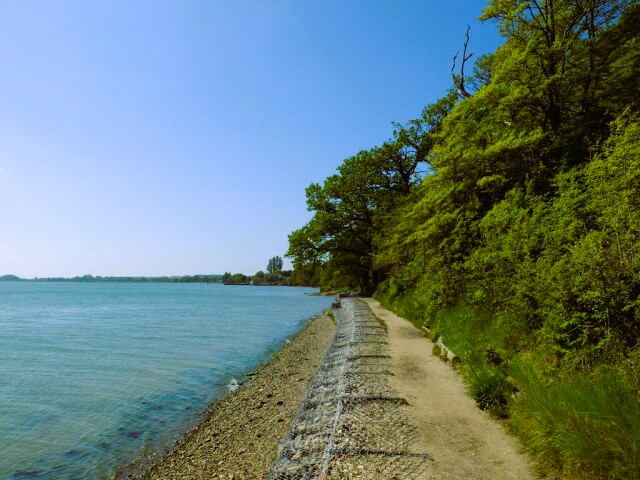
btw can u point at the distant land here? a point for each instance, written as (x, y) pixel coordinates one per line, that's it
(274, 276)
(90, 278)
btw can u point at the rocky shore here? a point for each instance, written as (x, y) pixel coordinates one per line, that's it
(239, 436)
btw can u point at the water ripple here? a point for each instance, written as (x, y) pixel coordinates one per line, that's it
(91, 374)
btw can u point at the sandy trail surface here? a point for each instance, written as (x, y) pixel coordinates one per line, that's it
(464, 442)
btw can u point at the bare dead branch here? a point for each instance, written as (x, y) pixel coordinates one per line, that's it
(458, 80)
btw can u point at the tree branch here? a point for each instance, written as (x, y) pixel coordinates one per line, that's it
(458, 80)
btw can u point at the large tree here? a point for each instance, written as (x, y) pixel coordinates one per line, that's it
(352, 207)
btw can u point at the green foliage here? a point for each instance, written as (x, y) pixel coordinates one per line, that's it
(352, 207)
(274, 265)
(519, 242)
(487, 385)
(592, 241)
(587, 425)
(406, 306)
(310, 274)
(235, 279)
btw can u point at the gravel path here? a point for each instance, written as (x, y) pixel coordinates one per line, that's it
(382, 407)
(352, 424)
(238, 438)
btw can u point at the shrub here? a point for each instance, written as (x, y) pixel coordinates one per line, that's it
(487, 385)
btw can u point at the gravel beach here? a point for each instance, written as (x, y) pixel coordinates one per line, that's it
(239, 436)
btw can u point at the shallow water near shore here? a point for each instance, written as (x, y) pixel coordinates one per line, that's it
(91, 374)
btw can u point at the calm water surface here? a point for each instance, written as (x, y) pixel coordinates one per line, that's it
(91, 374)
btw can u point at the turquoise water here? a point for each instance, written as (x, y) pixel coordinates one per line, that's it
(92, 374)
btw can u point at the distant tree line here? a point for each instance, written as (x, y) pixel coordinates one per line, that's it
(99, 279)
(274, 276)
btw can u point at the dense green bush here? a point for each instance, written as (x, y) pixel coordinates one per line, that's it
(487, 385)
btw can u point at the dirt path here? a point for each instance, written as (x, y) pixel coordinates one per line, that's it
(462, 440)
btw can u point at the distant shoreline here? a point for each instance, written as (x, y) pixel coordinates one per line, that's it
(212, 278)
(206, 279)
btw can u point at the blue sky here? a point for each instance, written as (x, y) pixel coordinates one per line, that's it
(177, 137)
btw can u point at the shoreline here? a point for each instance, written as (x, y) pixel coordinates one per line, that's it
(239, 434)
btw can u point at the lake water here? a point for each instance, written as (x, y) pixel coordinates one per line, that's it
(92, 374)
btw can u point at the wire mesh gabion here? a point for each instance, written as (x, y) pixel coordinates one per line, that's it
(352, 424)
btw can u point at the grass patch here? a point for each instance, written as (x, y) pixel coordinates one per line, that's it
(382, 322)
(405, 306)
(583, 425)
(331, 316)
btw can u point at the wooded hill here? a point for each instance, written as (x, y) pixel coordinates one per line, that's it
(507, 219)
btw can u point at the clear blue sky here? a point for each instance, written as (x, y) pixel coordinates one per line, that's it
(177, 137)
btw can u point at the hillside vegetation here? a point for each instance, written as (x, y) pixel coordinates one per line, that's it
(507, 219)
